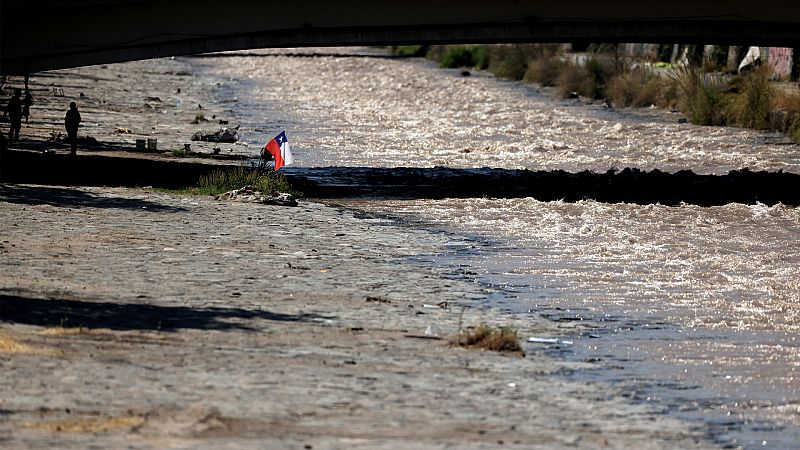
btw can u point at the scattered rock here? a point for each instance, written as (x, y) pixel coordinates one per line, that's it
(249, 195)
(229, 135)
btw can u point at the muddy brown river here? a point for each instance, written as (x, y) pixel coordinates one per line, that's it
(694, 309)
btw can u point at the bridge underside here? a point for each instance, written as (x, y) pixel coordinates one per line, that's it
(41, 35)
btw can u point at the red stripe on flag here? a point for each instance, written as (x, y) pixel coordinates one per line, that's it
(275, 150)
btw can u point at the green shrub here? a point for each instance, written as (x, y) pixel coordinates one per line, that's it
(409, 50)
(457, 57)
(480, 57)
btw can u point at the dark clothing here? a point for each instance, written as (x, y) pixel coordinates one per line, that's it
(71, 122)
(14, 109)
(26, 105)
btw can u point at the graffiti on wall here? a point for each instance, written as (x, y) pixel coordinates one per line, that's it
(780, 62)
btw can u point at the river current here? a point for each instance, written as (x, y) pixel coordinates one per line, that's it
(696, 309)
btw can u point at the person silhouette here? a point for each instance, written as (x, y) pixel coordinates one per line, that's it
(71, 121)
(26, 104)
(14, 109)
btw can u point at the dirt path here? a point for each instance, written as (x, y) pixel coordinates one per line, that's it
(138, 319)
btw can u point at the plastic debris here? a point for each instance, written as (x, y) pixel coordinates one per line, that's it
(538, 340)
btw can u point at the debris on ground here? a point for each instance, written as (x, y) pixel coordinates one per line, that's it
(249, 195)
(503, 339)
(229, 135)
(538, 340)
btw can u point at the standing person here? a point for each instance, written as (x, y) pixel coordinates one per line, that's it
(14, 109)
(71, 121)
(26, 104)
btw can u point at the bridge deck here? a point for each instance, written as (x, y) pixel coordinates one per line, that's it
(47, 34)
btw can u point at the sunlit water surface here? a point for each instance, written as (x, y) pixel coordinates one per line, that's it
(696, 309)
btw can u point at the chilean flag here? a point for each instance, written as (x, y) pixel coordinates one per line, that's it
(278, 147)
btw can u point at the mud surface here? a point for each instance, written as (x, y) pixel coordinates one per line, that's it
(147, 320)
(151, 320)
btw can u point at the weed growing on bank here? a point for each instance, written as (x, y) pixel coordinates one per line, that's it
(641, 87)
(748, 100)
(503, 339)
(786, 114)
(260, 178)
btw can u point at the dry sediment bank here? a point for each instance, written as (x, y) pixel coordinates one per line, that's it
(147, 320)
(161, 320)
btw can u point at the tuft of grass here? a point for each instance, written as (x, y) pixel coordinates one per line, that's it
(741, 101)
(544, 71)
(750, 105)
(503, 339)
(260, 178)
(589, 80)
(786, 114)
(640, 87)
(702, 96)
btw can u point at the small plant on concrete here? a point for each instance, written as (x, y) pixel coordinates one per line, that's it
(502, 339)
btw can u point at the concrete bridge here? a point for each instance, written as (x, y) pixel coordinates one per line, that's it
(38, 35)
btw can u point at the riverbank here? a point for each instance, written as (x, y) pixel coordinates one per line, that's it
(149, 320)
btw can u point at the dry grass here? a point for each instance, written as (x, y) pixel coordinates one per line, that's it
(544, 71)
(503, 339)
(747, 100)
(640, 87)
(786, 114)
(702, 96)
(87, 425)
(572, 79)
(10, 345)
(749, 106)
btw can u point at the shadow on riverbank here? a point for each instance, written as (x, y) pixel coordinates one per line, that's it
(75, 198)
(628, 185)
(127, 316)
